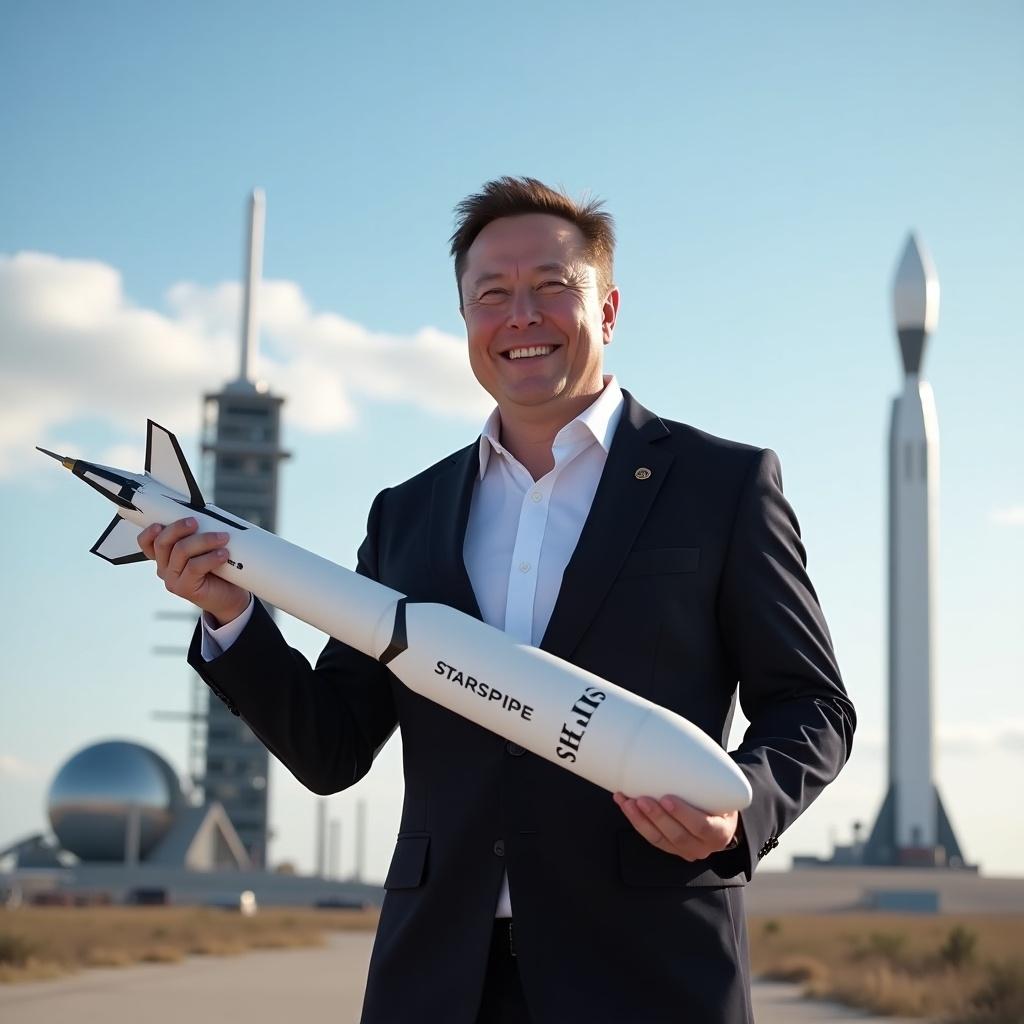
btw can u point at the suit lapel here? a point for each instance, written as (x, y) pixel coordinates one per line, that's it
(619, 509)
(449, 514)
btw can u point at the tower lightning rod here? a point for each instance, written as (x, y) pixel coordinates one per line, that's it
(254, 273)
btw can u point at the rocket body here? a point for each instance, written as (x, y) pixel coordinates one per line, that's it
(912, 827)
(913, 541)
(594, 728)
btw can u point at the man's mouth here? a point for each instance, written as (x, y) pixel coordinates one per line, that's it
(529, 351)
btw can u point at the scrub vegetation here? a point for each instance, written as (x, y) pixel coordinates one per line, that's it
(959, 969)
(962, 969)
(44, 942)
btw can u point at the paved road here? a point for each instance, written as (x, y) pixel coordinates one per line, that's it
(289, 986)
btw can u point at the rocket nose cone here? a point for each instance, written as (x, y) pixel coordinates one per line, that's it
(915, 289)
(671, 756)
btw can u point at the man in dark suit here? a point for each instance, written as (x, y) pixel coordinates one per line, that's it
(659, 557)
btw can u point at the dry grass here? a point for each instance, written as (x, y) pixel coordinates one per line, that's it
(44, 942)
(965, 968)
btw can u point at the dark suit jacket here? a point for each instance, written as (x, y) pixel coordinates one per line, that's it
(682, 585)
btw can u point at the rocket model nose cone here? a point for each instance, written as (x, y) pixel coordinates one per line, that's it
(64, 460)
(915, 302)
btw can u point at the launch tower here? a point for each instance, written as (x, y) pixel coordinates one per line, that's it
(241, 447)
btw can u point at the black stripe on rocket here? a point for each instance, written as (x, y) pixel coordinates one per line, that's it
(399, 638)
(207, 511)
(123, 497)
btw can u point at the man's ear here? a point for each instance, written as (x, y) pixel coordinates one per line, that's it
(609, 314)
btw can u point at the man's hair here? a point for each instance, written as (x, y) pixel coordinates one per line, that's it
(512, 197)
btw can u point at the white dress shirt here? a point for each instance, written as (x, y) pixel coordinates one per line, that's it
(521, 532)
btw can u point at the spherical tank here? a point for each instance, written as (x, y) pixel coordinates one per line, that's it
(95, 794)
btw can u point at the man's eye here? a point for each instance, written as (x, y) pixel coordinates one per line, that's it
(552, 285)
(491, 295)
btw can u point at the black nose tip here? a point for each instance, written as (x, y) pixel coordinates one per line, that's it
(64, 460)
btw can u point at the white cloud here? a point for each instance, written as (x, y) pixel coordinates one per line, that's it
(1012, 738)
(124, 454)
(74, 346)
(12, 767)
(973, 738)
(957, 738)
(1011, 516)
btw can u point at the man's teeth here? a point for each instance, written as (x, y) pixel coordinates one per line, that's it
(536, 350)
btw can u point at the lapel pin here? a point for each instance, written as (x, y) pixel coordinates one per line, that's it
(643, 473)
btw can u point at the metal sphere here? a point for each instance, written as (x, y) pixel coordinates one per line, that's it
(94, 795)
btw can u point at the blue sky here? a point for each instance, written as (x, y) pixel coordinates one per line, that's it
(764, 168)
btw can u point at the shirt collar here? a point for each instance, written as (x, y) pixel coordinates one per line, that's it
(600, 419)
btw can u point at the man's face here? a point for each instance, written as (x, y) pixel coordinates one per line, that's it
(535, 323)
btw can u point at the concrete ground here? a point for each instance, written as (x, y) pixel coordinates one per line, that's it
(828, 890)
(274, 987)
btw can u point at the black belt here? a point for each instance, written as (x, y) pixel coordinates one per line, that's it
(503, 937)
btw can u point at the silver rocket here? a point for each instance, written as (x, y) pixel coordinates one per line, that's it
(591, 727)
(912, 827)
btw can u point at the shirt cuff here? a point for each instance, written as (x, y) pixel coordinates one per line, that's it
(216, 640)
(737, 836)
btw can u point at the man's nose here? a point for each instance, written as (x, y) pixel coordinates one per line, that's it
(523, 311)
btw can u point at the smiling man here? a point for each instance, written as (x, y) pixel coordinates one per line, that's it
(537, 320)
(655, 555)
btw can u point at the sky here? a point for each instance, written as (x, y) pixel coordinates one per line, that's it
(764, 164)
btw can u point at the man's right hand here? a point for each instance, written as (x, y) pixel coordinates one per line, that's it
(185, 561)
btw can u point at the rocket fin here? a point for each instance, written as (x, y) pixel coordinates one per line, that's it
(166, 464)
(946, 835)
(119, 543)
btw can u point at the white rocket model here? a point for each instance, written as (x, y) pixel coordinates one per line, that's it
(912, 825)
(597, 730)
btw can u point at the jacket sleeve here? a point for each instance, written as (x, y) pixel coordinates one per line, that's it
(801, 720)
(325, 724)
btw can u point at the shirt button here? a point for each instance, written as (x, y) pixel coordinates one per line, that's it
(536, 496)
(515, 750)
(524, 566)
(499, 847)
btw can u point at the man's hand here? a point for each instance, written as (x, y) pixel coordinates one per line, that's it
(677, 827)
(185, 561)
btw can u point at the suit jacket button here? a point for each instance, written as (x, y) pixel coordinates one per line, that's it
(499, 847)
(514, 749)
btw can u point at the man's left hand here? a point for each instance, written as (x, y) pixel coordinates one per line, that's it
(679, 828)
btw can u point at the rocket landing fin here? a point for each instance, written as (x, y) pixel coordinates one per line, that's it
(165, 463)
(119, 543)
